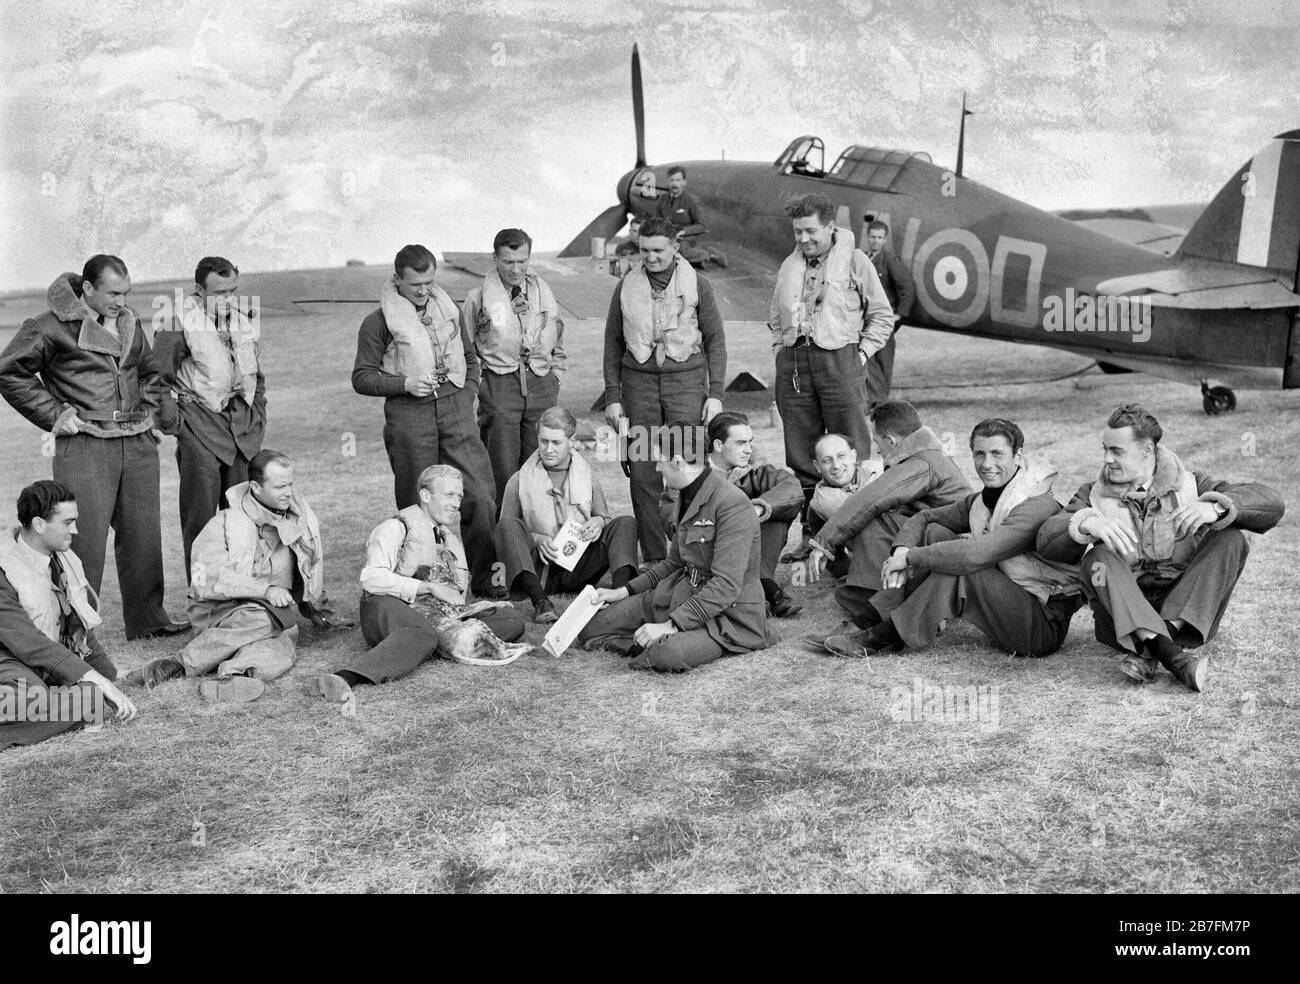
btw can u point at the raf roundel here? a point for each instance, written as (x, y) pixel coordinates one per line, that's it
(951, 272)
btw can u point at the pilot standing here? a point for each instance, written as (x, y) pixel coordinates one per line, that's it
(516, 327)
(415, 353)
(666, 356)
(897, 281)
(829, 317)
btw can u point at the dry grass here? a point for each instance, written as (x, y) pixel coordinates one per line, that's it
(777, 771)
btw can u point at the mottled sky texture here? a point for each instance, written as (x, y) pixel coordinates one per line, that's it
(289, 134)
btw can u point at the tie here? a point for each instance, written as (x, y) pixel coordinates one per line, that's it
(61, 595)
(559, 506)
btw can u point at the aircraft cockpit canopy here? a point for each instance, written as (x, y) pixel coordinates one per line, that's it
(806, 155)
(876, 168)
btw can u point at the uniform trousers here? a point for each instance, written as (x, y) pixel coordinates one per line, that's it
(652, 399)
(615, 548)
(507, 420)
(115, 481)
(1124, 601)
(831, 398)
(401, 638)
(676, 653)
(204, 480)
(442, 431)
(64, 709)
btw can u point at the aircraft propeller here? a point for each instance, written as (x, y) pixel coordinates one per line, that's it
(608, 223)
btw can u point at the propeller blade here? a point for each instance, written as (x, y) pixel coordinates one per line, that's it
(606, 225)
(638, 107)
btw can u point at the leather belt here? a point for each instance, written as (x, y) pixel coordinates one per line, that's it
(115, 416)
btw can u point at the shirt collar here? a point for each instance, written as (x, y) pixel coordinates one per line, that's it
(32, 557)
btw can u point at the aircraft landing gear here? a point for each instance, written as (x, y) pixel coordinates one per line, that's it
(1217, 399)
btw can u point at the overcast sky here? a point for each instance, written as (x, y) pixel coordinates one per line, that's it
(296, 133)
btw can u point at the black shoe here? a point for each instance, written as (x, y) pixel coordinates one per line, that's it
(171, 628)
(852, 644)
(544, 612)
(154, 672)
(492, 593)
(818, 640)
(1191, 671)
(619, 644)
(783, 606)
(800, 553)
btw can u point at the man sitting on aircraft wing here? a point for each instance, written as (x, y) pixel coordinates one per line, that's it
(918, 475)
(679, 208)
(974, 559)
(1159, 548)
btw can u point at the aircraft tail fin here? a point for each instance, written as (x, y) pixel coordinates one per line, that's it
(1254, 220)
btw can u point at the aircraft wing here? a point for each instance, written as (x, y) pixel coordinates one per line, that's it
(1205, 285)
(1153, 236)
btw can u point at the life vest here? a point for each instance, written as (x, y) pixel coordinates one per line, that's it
(1159, 546)
(832, 318)
(415, 348)
(437, 548)
(666, 326)
(207, 376)
(299, 532)
(36, 593)
(542, 503)
(1037, 576)
(504, 329)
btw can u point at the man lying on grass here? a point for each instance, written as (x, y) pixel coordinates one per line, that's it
(54, 674)
(918, 475)
(1159, 548)
(414, 560)
(256, 565)
(992, 578)
(704, 600)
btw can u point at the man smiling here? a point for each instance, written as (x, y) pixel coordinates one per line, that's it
(991, 577)
(1159, 548)
(515, 323)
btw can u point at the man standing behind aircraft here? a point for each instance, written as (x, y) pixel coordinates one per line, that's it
(415, 352)
(829, 316)
(84, 371)
(897, 281)
(666, 354)
(516, 327)
(209, 358)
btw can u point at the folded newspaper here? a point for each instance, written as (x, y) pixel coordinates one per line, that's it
(573, 621)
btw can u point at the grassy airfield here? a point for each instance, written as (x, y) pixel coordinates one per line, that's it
(777, 771)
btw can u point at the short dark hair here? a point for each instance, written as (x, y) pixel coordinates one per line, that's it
(41, 499)
(877, 224)
(511, 239)
(558, 418)
(683, 438)
(1145, 426)
(815, 204)
(656, 226)
(897, 418)
(257, 466)
(414, 257)
(720, 426)
(830, 433)
(677, 169)
(94, 270)
(999, 427)
(219, 265)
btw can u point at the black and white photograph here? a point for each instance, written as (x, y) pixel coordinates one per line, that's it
(645, 448)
